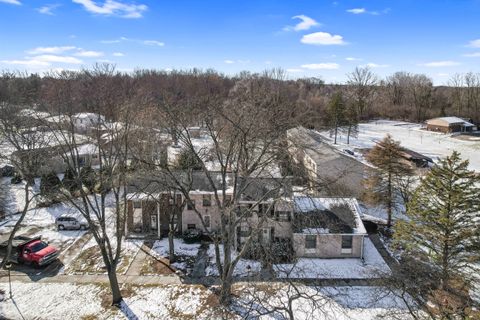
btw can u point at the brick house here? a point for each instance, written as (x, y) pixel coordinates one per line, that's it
(313, 227)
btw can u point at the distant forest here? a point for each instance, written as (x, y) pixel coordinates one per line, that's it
(400, 96)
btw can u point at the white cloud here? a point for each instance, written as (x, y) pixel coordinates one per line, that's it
(294, 70)
(118, 54)
(357, 10)
(442, 74)
(305, 23)
(113, 8)
(472, 55)
(54, 58)
(11, 2)
(365, 11)
(229, 61)
(321, 66)
(375, 65)
(48, 9)
(89, 54)
(474, 43)
(139, 41)
(353, 59)
(26, 62)
(53, 50)
(322, 38)
(437, 64)
(153, 43)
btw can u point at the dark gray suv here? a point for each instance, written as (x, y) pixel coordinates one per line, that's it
(70, 223)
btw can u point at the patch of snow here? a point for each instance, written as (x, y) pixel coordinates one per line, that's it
(244, 267)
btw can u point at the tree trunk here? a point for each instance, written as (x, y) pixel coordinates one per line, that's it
(227, 275)
(336, 130)
(348, 133)
(171, 245)
(114, 286)
(16, 227)
(389, 199)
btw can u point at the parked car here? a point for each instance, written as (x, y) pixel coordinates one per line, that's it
(70, 223)
(29, 250)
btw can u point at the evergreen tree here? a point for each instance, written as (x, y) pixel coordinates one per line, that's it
(88, 178)
(336, 114)
(187, 160)
(49, 184)
(70, 181)
(382, 183)
(444, 223)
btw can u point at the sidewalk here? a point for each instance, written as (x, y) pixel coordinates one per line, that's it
(100, 278)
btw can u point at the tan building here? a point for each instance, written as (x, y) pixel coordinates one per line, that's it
(330, 171)
(311, 227)
(328, 228)
(449, 125)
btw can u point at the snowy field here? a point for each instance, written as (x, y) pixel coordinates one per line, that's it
(70, 301)
(373, 266)
(410, 135)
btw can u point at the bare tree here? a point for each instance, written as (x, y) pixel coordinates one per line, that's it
(240, 150)
(107, 143)
(363, 83)
(27, 144)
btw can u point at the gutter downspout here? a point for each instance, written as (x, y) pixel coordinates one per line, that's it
(158, 220)
(362, 250)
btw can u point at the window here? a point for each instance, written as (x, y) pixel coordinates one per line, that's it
(178, 199)
(310, 241)
(191, 206)
(191, 226)
(137, 204)
(347, 244)
(282, 216)
(207, 200)
(206, 219)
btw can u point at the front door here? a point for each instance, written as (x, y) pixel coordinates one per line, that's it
(153, 222)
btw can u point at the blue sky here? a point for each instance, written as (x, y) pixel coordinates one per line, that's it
(318, 38)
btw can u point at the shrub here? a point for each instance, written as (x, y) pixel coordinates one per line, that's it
(192, 235)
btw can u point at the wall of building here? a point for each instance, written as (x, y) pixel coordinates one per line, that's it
(327, 246)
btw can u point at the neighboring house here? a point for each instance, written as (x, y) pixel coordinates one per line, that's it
(313, 227)
(86, 122)
(418, 159)
(329, 171)
(49, 159)
(449, 125)
(151, 202)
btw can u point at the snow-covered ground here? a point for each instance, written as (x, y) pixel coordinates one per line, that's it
(347, 268)
(185, 252)
(70, 301)
(244, 267)
(312, 303)
(432, 144)
(74, 301)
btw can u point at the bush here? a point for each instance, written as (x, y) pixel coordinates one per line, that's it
(188, 160)
(192, 235)
(16, 179)
(70, 181)
(88, 178)
(50, 184)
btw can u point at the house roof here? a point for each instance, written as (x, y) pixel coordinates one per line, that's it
(337, 215)
(251, 188)
(449, 121)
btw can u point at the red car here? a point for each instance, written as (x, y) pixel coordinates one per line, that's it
(30, 251)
